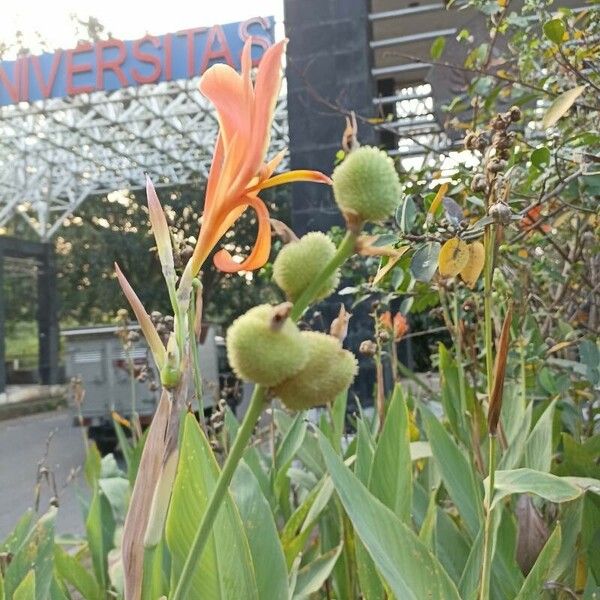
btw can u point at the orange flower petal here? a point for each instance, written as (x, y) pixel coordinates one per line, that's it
(291, 176)
(266, 92)
(262, 247)
(227, 90)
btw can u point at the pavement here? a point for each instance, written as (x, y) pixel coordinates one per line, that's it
(24, 442)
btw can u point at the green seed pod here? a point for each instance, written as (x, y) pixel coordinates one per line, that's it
(264, 346)
(329, 371)
(366, 184)
(299, 262)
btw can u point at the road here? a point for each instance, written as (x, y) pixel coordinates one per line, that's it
(23, 444)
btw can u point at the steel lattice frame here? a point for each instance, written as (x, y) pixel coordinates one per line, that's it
(56, 153)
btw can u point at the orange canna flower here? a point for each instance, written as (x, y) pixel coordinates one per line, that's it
(239, 171)
(398, 326)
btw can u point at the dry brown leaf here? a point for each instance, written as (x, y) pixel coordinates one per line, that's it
(136, 522)
(532, 533)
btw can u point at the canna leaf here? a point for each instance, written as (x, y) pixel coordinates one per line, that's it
(409, 568)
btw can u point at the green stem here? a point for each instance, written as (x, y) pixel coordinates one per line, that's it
(195, 356)
(344, 251)
(489, 239)
(462, 388)
(486, 568)
(233, 458)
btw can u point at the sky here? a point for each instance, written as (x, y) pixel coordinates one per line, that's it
(126, 20)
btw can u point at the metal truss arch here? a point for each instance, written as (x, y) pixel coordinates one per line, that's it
(56, 153)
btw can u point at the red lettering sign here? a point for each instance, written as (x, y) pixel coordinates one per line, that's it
(114, 64)
(257, 40)
(216, 34)
(46, 86)
(78, 68)
(12, 87)
(146, 58)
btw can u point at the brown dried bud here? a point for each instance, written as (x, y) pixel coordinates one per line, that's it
(169, 321)
(499, 123)
(368, 348)
(496, 165)
(156, 316)
(500, 212)
(133, 336)
(383, 336)
(479, 183)
(515, 114)
(471, 141)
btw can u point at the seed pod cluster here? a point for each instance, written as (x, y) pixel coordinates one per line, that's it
(264, 346)
(366, 185)
(329, 371)
(299, 263)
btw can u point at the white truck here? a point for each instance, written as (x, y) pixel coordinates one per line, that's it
(98, 359)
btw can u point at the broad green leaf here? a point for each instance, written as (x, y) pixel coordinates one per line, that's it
(364, 452)
(523, 481)
(540, 157)
(308, 452)
(290, 443)
(513, 456)
(100, 530)
(370, 582)
(561, 105)
(265, 548)
(451, 543)
(124, 445)
(457, 473)
(92, 465)
(312, 577)
(555, 30)
(58, 590)
(70, 570)
(298, 528)
(35, 552)
(155, 582)
(437, 48)
(391, 472)
(17, 536)
(428, 526)
(450, 391)
(425, 261)
(26, 590)
(533, 585)
(538, 447)
(406, 214)
(225, 569)
(411, 571)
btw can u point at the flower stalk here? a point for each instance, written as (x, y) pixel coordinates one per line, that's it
(259, 397)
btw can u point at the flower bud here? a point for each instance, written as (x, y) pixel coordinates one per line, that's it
(500, 212)
(298, 264)
(264, 346)
(328, 372)
(366, 184)
(368, 348)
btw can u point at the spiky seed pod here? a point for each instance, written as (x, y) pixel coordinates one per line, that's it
(328, 372)
(366, 184)
(299, 262)
(264, 346)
